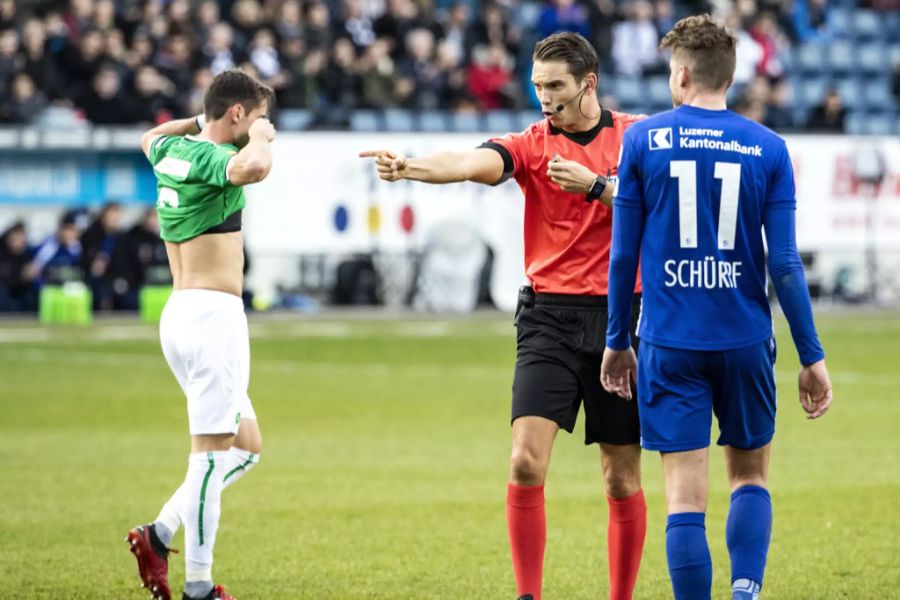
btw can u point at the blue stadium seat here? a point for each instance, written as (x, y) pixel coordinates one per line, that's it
(892, 23)
(397, 119)
(878, 94)
(811, 58)
(629, 90)
(841, 57)
(840, 20)
(499, 121)
(524, 118)
(432, 120)
(294, 119)
(854, 122)
(866, 24)
(893, 53)
(466, 121)
(812, 91)
(872, 58)
(658, 93)
(880, 123)
(365, 120)
(851, 92)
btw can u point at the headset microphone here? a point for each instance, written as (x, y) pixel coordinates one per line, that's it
(560, 107)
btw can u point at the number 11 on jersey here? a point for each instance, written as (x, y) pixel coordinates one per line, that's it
(685, 171)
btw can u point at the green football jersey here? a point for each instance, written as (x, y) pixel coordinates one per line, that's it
(193, 191)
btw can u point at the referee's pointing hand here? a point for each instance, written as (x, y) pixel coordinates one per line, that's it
(389, 165)
(570, 176)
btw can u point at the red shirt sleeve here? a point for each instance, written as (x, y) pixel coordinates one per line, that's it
(512, 148)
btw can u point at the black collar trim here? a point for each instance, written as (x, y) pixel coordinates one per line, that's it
(586, 137)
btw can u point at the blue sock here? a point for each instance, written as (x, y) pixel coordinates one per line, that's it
(687, 551)
(747, 536)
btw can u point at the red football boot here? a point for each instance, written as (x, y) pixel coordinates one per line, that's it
(152, 559)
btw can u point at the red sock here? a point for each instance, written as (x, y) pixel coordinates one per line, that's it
(625, 543)
(527, 536)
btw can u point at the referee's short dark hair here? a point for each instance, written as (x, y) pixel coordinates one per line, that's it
(570, 48)
(234, 87)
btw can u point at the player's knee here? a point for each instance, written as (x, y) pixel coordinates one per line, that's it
(527, 467)
(621, 482)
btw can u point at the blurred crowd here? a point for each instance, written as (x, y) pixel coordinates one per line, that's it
(145, 61)
(115, 263)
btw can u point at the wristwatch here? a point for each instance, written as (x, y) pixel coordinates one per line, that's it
(596, 189)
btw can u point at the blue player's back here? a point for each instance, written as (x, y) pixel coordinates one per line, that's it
(705, 178)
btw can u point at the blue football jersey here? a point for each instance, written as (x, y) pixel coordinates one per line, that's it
(704, 179)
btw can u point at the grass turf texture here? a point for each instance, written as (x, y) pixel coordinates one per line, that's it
(384, 468)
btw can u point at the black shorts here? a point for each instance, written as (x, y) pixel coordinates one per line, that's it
(560, 345)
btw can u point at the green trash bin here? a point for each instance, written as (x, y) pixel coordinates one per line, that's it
(153, 299)
(67, 304)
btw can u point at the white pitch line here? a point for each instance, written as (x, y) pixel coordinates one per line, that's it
(377, 369)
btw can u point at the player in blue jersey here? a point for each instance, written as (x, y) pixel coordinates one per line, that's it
(697, 186)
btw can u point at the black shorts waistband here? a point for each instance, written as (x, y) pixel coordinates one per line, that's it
(577, 300)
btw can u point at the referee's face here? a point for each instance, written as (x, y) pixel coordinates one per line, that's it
(555, 86)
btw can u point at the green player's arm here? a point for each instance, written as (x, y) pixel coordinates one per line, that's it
(177, 127)
(481, 165)
(253, 163)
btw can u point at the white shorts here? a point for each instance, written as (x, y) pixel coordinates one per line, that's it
(206, 343)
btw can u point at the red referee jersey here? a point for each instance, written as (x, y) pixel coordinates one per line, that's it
(567, 239)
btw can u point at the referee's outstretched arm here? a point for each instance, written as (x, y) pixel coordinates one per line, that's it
(481, 165)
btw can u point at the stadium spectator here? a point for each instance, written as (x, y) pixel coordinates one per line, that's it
(356, 25)
(98, 243)
(9, 59)
(770, 38)
(38, 63)
(247, 17)
(174, 62)
(810, 20)
(26, 104)
(563, 15)
(421, 84)
(139, 259)
(491, 78)
(17, 273)
(317, 32)
(636, 40)
(80, 62)
(288, 22)
(401, 17)
(206, 16)
(341, 83)
(217, 51)
(378, 73)
(829, 116)
(495, 28)
(8, 16)
(603, 16)
(106, 103)
(154, 96)
(778, 108)
(456, 27)
(58, 259)
(749, 53)
(263, 55)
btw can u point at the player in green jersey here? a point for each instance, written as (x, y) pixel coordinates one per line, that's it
(201, 165)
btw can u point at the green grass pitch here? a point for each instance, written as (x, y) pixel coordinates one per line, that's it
(385, 461)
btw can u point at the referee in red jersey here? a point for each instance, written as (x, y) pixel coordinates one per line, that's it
(563, 164)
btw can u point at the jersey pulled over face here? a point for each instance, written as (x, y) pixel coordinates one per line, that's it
(194, 194)
(704, 180)
(567, 239)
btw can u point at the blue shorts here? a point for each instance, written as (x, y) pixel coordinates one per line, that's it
(679, 390)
